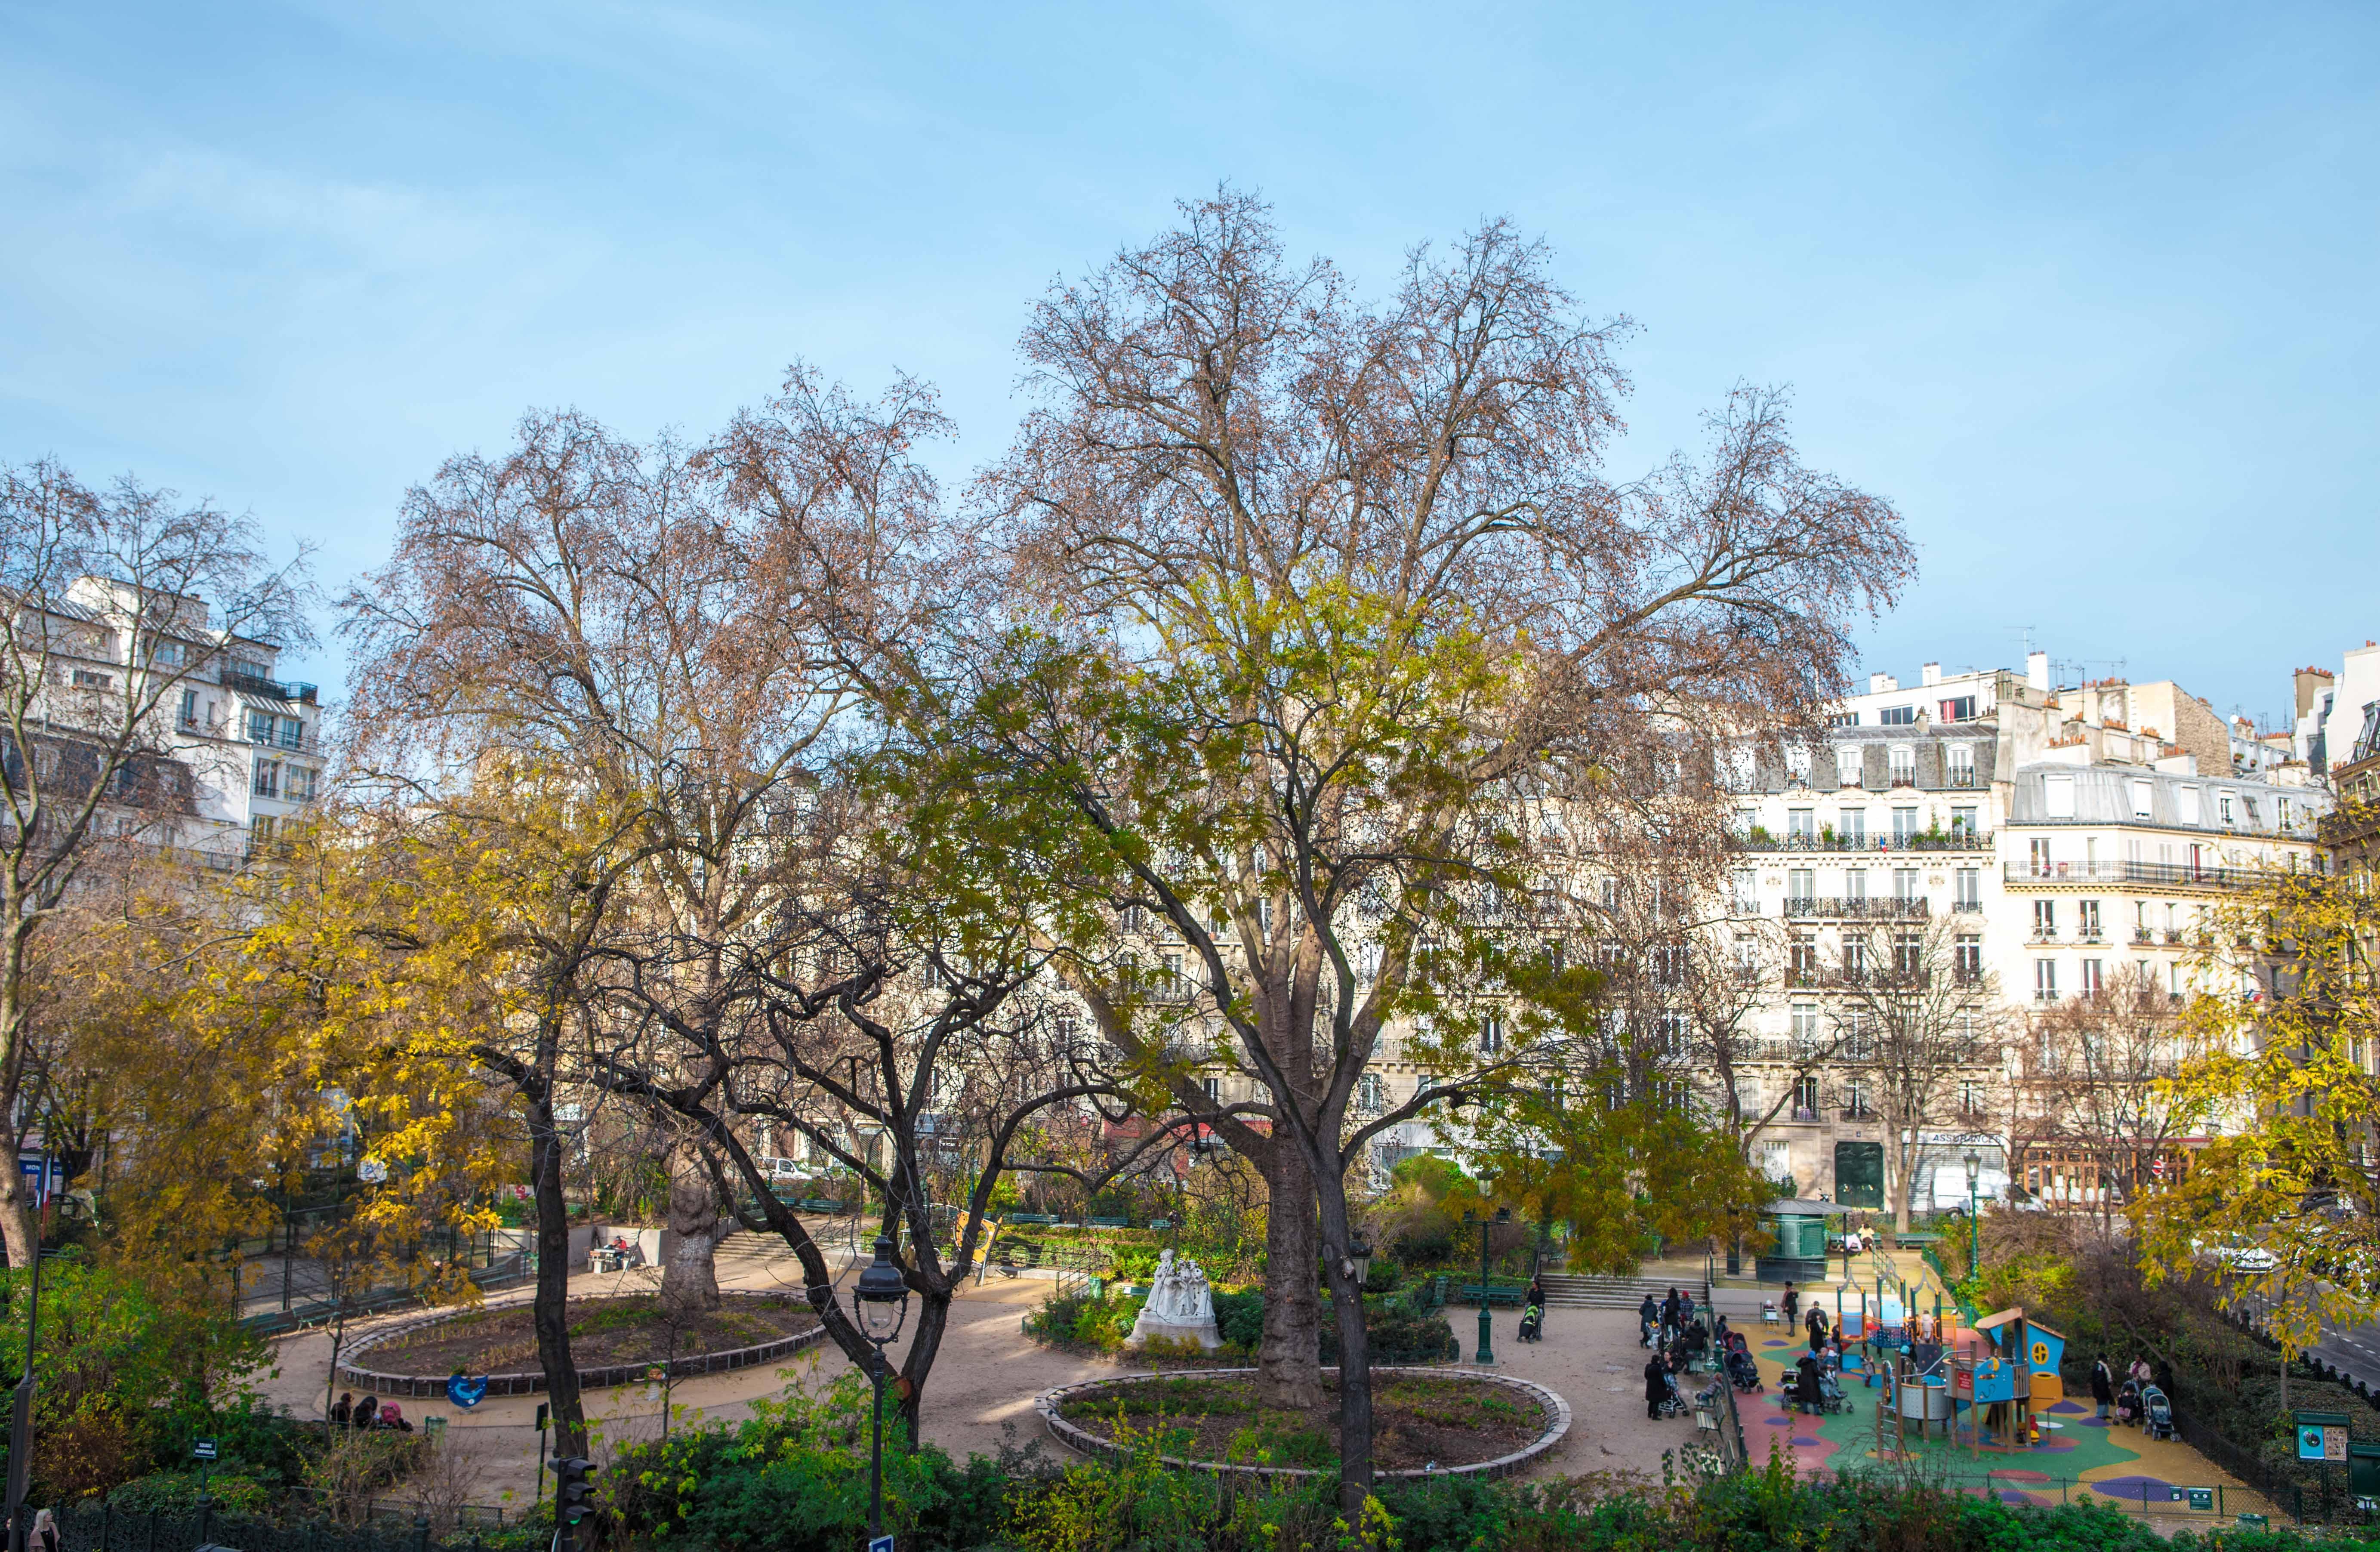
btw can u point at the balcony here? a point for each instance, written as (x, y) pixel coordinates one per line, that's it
(1840, 907)
(1962, 777)
(271, 689)
(1967, 907)
(1857, 1113)
(2178, 875)
(2142, 935)
(1955, 840)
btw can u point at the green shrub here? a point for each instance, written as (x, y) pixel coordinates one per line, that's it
(176, 1492)
(1239, 1319)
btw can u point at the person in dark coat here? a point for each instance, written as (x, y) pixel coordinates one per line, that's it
(1807, 1392)
(342, 1408)
(1657, 1384)
(1817, 1324)
(1670, 1310)
(367, 1412)
(2164, 1383)
(2103, 1386)
(1648, 1317)
(1793, 1306)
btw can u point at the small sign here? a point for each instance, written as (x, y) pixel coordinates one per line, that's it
(880, 1544)
(2202, 1499)
(2322, 1435)
(2310, 1446)
(204, 1450)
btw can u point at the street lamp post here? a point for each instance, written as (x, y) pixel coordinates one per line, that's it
(1503, 1215)
(1974, 1228)
(880, 1299)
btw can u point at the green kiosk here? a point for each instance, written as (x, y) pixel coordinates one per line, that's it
(1799, 1228)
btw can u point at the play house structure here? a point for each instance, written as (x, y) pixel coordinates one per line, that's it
(1988, 1380)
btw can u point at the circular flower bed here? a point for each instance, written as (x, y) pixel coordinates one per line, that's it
(1424, 1422)
(613, 1340)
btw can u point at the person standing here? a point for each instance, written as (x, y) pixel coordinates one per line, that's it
(342, 1408)
(1657, 1385)
(2140, 1373)
(1793, 1306)
(2103, 1386)
(1648, 1316)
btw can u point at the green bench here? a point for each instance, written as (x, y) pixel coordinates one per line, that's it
(1109, 1223)
(1473, 1293)
(1031, 1217)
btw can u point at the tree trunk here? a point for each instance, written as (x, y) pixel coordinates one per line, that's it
(932, 1319)
(1289, 1363)
(1355, 1358)
(1904, 1168)
(548, 1310)
(690, 1277)
(16, 1213)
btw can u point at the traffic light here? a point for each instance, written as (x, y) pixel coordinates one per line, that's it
(574, 1493)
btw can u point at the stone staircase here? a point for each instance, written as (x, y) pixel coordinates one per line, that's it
(743, 1252)
(1565, 1290)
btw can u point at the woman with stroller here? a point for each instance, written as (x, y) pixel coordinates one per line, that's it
(2128, 1404)
(1657, 1384)
(1533, 1316)
(1809, 1385)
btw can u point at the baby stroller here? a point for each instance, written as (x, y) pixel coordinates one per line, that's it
(1674, 1403)
(1742, 1372)
(1533, 1323)
(1830, 1393)
(2159, 1414)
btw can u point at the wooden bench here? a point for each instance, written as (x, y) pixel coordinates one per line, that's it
(1473, 1293)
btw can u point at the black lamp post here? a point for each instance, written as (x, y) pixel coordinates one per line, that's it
(880, 1299)
(1974, 1228)
(1487, 1353)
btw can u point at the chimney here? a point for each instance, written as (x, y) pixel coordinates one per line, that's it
(1931, 673)
(1877, 683)
(2037, 669)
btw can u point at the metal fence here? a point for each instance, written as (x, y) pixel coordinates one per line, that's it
(104, 1528)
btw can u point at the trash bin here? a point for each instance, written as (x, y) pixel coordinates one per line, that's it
(433, 1428)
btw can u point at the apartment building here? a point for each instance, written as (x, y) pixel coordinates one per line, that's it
(2061, 833)
(243, 747)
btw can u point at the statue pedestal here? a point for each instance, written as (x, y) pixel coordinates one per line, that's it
(1204, 1332)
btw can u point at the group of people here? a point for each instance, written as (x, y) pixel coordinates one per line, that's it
(1661, 1321)
(2128, 1399)
(1679, 1342)
(369, 1412)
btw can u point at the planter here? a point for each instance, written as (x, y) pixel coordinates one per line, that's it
(354, 1372)
(1557, 1426)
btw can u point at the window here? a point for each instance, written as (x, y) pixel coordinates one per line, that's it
(2057, 797)
(1847, 765)
(1959, 708)
(1367, 1094)
(1797, 762)
(1856, 1098)
(1747, 953)
(1800, 883)
(2144, 797)
(2281, 812)
(189, 708)
(1854, 959)
(1971, 1098)
(1492, 1035)
(1969, 961)
(2044, 980)
(1908, 954)
(1214, 1087)
(2087, 910)
(1843, 719)
(1902, 763)
(1801, 824)
(90, 681)
(1962, 822)
(1852, 827)
(1741, 827)
(2044, 919)
(268, 779)
(1859, 1040)
(1970, 884)
(2091, 980)
(1611, 894)
(2173, 980)
(1898, 716)
(2223, 802)
(1747, 893)
(1777, 1159)
(1805, 1027)
(2186, 799)
(1904, 826)
(1671, 1030)
(1670, 964)
(1805, 1096)
(260, 727)
(1904, 883)
(1855, 884)
(1962, 759)
(293, 733)
(259, 833)
(1803, 956)
(2040, 850)
(298, 783)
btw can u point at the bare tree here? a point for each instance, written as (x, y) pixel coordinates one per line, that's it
(2095, 1085)
(1915, 1012)
(111, 602)
(1338, 590)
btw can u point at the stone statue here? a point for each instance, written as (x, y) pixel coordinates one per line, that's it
(1181, 1306)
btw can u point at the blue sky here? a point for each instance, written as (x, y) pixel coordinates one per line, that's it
(2089, 291)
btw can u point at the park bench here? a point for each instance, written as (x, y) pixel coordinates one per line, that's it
(1491, 1296)
(1429, 1295)
(1108, 1222)
(1031, 1217)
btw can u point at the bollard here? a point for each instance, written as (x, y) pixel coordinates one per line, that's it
(420, 1532)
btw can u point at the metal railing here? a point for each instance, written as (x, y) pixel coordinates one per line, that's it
(2184, 874)
(1859, 908)
(1955, 840)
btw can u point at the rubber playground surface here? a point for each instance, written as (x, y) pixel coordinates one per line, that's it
(2079, 1458)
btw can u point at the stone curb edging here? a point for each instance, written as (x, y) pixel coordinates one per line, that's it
(533, 1381)
(1557, 1427)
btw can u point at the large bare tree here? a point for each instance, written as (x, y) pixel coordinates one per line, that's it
(112, 603)
(1331, 593)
